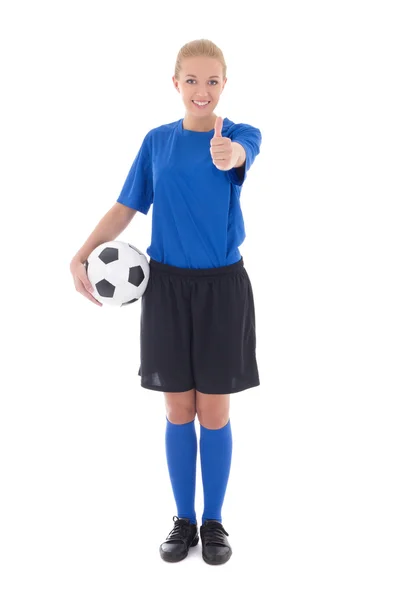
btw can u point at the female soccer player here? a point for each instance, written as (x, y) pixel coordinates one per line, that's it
(198, 338)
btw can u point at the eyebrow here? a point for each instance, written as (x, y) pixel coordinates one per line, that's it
(190, 75)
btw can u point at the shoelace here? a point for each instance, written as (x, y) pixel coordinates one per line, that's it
(179, 532)
(213, 534)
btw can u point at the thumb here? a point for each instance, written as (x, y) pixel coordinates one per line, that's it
(218, 127)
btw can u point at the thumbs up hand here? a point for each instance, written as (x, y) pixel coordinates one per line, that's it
(221, 148)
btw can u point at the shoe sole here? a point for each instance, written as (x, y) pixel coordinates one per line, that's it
(217, 562)
(173, 559)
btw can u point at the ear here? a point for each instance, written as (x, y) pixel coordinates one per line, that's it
(176, 83)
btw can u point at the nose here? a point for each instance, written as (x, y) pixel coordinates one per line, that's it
(203, 92)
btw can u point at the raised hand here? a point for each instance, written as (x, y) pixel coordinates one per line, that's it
(221, 148)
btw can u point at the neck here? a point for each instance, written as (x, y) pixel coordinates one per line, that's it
(205, 123)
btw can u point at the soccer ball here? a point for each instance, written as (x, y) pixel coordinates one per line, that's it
(118, 272)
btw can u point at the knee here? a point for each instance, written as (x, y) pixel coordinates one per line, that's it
(212, 419)
(212, 410)
(180, 416)
(213, 422)
(180, 407)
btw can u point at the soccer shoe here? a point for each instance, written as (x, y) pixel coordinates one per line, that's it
(183, 536)
(216, 548)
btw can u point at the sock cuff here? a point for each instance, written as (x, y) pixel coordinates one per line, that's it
(179, 424)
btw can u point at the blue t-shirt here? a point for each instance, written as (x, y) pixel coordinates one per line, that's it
(197, 220)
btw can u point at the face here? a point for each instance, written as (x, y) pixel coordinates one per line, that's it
(200, 80)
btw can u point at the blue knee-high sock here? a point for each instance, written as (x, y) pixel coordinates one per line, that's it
(181, 451)
(215, 458)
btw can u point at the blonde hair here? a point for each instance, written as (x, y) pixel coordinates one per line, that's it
(200, 47)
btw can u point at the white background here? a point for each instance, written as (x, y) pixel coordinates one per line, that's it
(312, 501)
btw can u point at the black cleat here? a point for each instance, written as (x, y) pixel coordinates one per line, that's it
(216, 548)
(183, 536)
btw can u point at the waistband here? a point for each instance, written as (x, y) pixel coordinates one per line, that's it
(217, 271)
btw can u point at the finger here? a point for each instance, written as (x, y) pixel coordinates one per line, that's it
(90, 297)
(218, 150)
(218, 127)
(221, 142)
(85, 279)
(88, 286)
(82, 290)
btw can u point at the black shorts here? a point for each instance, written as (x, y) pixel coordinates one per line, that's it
(198, 330)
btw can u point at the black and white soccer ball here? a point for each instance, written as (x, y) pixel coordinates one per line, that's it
(118, 272)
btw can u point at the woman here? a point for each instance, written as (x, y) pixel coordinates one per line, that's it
(198, 339)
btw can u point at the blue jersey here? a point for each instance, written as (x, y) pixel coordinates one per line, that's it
(197, 220)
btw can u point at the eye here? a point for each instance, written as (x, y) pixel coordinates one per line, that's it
(212, 80)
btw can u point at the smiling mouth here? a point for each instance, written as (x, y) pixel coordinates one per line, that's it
(201, 105)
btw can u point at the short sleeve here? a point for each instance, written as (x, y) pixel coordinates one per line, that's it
(250, 138)
(137, 191)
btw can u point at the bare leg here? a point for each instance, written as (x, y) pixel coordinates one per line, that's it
(212, 409)
(180, 407)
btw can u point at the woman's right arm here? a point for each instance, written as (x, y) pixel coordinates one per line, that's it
(109, 227)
